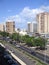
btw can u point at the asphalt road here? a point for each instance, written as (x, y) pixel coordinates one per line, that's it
(42, 57)
(21, 55)
(5, 57)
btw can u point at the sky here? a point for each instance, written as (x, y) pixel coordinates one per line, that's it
(22, 11)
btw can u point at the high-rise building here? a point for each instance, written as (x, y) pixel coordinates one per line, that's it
(32, 27)
(29, 27)
(2, 27)
(10, 27)
(43, 23)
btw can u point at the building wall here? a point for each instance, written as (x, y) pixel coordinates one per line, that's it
(43, 23)
(10, 26)
(48, 23)
(35, 27)
(2, 27)
(29, 27)
(32, 27)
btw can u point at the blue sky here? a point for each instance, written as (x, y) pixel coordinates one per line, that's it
(22, 11)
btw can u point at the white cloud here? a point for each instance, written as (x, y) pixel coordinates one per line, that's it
(45, 8)
(28, 14)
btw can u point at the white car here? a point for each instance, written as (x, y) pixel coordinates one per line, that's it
(17, 45)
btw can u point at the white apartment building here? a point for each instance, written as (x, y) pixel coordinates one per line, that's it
(43, 23)
(31, 27)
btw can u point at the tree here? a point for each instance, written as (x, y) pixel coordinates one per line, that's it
(40, 42)
(15, 36)
(4, 34)
(29, 41)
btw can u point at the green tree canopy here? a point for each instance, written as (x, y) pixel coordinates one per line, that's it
(40, 42)
(4, 34)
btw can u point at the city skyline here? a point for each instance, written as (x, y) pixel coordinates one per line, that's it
(22, 11)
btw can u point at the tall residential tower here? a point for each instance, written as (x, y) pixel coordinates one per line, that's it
(10, 27)
(32, 27)
(43, 23)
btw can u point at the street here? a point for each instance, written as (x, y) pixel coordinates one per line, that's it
(41, 57)
(22, 56)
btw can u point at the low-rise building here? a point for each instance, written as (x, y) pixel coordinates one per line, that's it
(23, 33)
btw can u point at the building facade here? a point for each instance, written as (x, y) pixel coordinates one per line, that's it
(43, 23)
(31, 27)
(2, 27)
(10, 27)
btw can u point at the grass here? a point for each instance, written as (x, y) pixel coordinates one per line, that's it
(38, 61)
